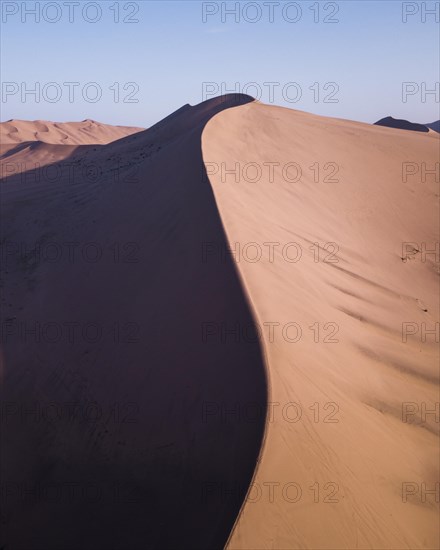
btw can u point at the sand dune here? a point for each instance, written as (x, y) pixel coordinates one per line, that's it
(351, 378)
(401, 124)
(120, 296)
(434, 126)
(69, 133)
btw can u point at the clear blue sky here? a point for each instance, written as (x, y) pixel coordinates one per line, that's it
(367, 52)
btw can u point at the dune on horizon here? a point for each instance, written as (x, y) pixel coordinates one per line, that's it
(264, 283)
(62, 133)
(401, 124)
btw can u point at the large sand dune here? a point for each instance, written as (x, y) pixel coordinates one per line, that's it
(209, 436)
(352, 377)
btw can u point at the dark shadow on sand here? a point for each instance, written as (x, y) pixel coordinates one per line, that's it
(124, 426)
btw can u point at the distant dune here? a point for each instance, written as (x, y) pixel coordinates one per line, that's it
(402, 124)
(434, 126)
(244, 267)
(62, 133)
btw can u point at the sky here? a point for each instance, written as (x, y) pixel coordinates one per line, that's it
(133, 63)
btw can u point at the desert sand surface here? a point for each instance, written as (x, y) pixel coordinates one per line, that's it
(332, 468)
(132, 380)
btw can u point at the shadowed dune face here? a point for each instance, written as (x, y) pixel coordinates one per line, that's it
(331, 222)
(119, 429)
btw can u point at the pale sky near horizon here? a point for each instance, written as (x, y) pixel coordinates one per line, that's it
(133, 63)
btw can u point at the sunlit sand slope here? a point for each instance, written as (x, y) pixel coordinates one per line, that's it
(332, 224)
